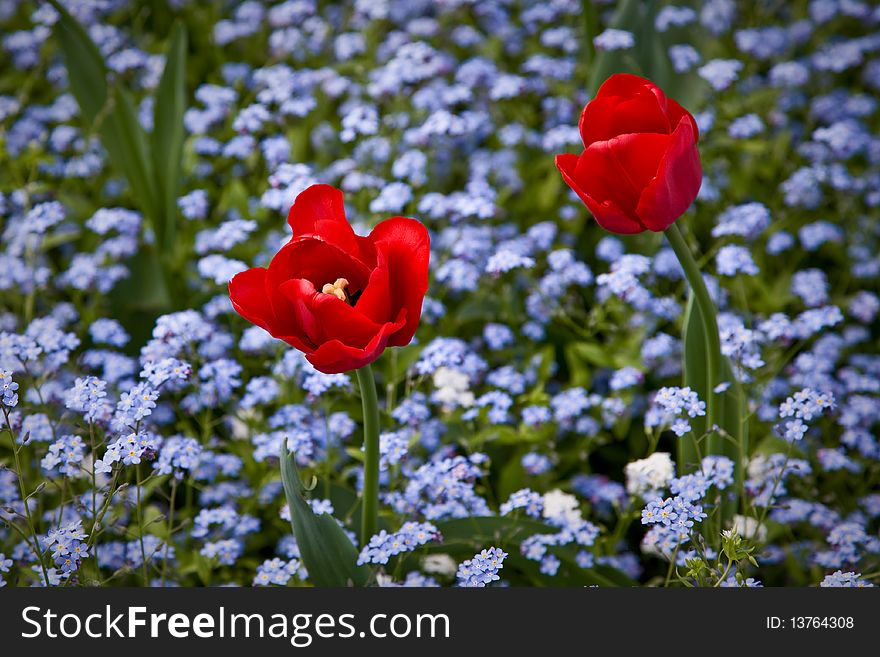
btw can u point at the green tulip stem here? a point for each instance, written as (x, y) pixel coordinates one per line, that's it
(707, 313)
(370, 509)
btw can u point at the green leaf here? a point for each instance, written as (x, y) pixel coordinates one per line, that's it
(694, 365)
(730, 402)
(596, 354)
(648, 58)
(144, 288)
(492, 528)
(584, 357)
(112, 115)
(460, 535)
(545, 369)
(500, 435)
(233, 197)
(633, 16)
(405, 359)
(109, 112)
(548, 191)
(86, 70)
(168, 134)
(125, 140)
(328, 555)
(356, 453)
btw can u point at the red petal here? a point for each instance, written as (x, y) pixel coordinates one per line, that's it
(339, 321)
(318, 261)
(619, 169)
(406, 249)
(334, 357)
(297, 343)
(624, 104)
(605, 118)
(375, 302)
(607, 214)
(326, 318)
(299, 294)
(676, 112)
(320, 210)
(677, 181)
(247, 290)
(627, 84)
(253, 300)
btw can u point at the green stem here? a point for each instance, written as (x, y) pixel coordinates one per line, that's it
(672, 564)
(591, 28)
(776, 482)
(391, 384)
(140, 521)
(370, 512)
(92, 541)
(19, 474)
(723, 577)
(94, 496)
(707, 314)
(170, 528)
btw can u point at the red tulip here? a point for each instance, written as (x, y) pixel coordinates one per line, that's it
(640, 169)
(337, 297)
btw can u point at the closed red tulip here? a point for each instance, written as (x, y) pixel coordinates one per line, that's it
(640, 169)
(338, 297)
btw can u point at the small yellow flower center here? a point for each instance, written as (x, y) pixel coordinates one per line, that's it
(337, 289)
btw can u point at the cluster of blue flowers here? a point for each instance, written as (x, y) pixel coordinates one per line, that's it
(383, 545)
(68, 546)
(672, 519)
(8, 388)
(540, 403)
(277, 572)
(482, 570)
(529, 501)
(802, 407)
(839, 579)
(442, 489)
(672, 406)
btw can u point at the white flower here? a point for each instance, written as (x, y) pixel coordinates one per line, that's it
(561, 506)
(452, 388)
(747, 527)
(650, 474)
(446, 377)
(440, 564)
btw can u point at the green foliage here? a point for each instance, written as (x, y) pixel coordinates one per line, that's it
(509, 532)
(732, 441)
(105, 110)
(151, 164)
(328, 555)
(168, 135)
(649, 57)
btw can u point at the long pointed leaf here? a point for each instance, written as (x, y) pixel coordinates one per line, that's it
(168, 133)
(645, 58)
(328, 555)
(649, 57)
(86, 70)
(110, 112)
(125, 140)
(695, 376)
(730, 410)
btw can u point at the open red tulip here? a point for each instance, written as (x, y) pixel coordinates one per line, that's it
(640, 169)
(338, 297)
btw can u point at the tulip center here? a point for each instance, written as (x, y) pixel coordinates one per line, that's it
(339, 289)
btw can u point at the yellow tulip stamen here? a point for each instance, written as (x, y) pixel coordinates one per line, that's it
(337, 289)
